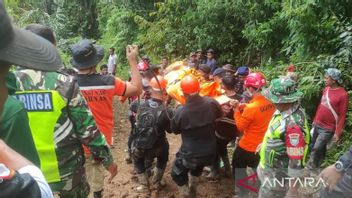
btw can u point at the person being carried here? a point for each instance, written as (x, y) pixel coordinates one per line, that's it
(195, 121)
(149, 139)
(99, 92)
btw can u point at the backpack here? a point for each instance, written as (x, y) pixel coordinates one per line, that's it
(146, 131)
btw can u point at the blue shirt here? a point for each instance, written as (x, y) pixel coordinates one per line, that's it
(212, 64)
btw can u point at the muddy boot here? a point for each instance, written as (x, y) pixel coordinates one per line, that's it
(98, 194)
(227, 166)
(157, 176)
(184, 191)
(213, 174)
(144, 184)
(128, 158)
(193, 183)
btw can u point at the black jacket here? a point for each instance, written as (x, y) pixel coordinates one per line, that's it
(20, 185)
(195, 121)
(163, 120)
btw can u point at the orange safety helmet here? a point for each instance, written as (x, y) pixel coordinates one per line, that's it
(189, 85)
(159, 84)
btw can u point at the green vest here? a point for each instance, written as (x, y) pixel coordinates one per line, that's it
(44, 109)
(276, 147)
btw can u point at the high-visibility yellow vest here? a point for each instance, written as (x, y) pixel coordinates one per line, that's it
(277, 146)
(44, 110)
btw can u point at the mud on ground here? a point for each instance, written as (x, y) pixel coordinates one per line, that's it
(124, 184)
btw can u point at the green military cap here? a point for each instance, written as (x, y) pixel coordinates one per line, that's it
(282, 90)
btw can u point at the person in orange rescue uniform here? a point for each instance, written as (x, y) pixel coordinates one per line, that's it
(252, 121)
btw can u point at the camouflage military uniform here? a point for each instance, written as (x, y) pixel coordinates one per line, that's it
(285, 145)
(80, 128)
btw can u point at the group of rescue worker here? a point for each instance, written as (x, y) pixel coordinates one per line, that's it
(56, 129)
(268, 125)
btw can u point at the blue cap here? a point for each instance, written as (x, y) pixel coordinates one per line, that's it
(243, 71)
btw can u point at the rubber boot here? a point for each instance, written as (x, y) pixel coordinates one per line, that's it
(193, 183)
(157, 176)
(98, 194)
(144, 184)
(184, 191)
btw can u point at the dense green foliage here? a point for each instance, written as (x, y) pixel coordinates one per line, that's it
(267, 35)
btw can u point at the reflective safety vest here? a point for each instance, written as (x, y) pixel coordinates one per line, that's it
(44, 110)
(274, 148)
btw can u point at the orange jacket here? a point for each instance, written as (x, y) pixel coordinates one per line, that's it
(253, 122)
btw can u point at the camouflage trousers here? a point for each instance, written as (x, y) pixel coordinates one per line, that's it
(267, 190)
(67, 191)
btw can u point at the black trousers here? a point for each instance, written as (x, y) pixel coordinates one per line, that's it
(320, 140)
(240, 161)
(130, 137)
(221, 152)
(181, 168)
(142, 157)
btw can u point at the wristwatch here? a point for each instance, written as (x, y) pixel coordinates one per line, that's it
(339, 166)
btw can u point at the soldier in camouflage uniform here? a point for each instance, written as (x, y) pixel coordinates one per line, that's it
(285, 145)
(61, 122)
(18, 177)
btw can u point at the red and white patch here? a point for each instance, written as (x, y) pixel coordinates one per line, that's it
(295, 142)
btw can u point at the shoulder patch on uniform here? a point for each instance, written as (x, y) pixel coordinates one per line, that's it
(40, 101)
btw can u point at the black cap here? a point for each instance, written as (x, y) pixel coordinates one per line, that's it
(205, 68)
(24, 48)
(85, 54)
(229, 68)
(218, 72)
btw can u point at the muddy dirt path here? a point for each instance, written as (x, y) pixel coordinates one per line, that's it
(124, 184)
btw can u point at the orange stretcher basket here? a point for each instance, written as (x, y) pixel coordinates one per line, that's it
(176, 71)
